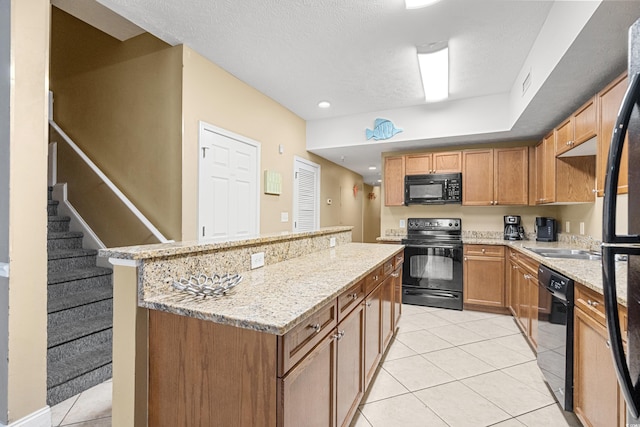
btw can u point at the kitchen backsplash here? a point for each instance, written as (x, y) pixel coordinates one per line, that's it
(582, 242)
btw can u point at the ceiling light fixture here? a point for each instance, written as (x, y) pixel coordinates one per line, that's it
(417, 4)
(434, 70)
(372, 168)
(324, 104)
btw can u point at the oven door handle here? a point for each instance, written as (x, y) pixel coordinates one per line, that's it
(443, 295)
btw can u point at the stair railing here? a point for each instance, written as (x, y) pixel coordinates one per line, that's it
(143, 219)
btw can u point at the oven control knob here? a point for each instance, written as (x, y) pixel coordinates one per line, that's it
(450, 224)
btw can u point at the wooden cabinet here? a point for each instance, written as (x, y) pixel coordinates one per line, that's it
(426, 163)
(397, 296)
(394, 181)
(483, 275)
(598, 400)
(372, 334)
(497, 176)
(563, 179)
(307, 393)
(350, 368)
(578, 128)
(386, 312)
(609, 100)
(523, 294)
(546, 170)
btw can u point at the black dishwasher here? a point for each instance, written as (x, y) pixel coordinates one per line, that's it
(555, 334)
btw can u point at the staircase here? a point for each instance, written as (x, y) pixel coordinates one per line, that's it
(79, 312)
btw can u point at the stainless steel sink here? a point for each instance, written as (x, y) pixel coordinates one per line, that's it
(566, 253)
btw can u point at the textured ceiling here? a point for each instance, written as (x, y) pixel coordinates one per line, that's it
(358, 54)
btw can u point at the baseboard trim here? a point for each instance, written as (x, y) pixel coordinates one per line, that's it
(40, 418)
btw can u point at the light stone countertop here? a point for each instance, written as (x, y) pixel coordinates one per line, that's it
(586, 272)
(194, 247)
(277, 297)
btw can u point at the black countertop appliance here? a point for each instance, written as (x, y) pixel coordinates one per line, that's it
(512, 228)
(546, 229)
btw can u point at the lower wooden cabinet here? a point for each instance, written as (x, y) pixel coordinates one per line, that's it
(598, 400)
(372, 335)
(350, 369)
(523, 294)
(483, 275)
(308, 391)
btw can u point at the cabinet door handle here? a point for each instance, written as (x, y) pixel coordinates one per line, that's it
(368, 304)
(483, 250)
(315, 327)
(354, 296)
(338, 336)
(465, 258)
(608, 344)
(395, 274)
(592, 303)
(495, 203)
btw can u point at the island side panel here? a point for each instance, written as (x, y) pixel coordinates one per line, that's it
(203, 373)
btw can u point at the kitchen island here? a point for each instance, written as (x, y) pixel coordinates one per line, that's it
(298, 339)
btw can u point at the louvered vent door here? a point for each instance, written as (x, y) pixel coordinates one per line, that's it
(306, 215)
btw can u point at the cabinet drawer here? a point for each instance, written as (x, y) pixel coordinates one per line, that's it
(399, 260)
(388, 267)
(373, 279)
(350, 299)
(296, 343)
(590, 302)
(486, 250)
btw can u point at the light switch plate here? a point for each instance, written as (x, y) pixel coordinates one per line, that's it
(284, 216)
(582, 228)
(402, 224)
(332, 242)
(567, 227)
(257, 260)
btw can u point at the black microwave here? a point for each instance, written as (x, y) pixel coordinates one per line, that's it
(433, 189)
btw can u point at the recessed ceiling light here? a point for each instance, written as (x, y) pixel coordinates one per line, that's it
(417, 4)
(434, 70)
(324, 104)
(372, 168)
(379, 180)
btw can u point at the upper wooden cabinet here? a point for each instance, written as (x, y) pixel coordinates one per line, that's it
(426, 163)
(394, 181)
(609, 100)
(563, 179)
(578, 128)
(498, 176)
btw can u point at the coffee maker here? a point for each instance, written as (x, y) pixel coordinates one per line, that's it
(546, 229)
(512, 228)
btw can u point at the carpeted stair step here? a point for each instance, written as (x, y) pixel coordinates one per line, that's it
(65, 332)
(72, 367)
(66, 283)
(77, 385)
(70, 259)
(57, 223)
(81, 345)
(64, 240)
(67, 302)
(80, 313)
(52, 207)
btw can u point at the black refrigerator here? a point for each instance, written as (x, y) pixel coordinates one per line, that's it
(613, 245)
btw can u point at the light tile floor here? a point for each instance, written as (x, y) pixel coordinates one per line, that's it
(444, 368)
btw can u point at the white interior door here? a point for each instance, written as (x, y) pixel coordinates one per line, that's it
(306, 195)
(229, 185)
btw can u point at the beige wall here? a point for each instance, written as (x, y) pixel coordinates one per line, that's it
(371, 211)
(27, 325)
(121, 103)
(214, 96)
(591, 215)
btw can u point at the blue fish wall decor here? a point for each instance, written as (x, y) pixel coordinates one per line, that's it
(382, 129)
